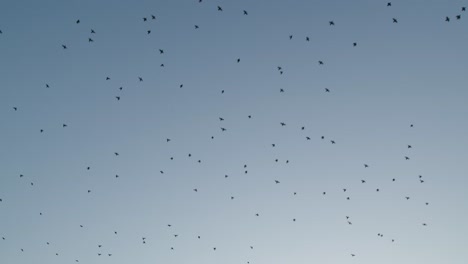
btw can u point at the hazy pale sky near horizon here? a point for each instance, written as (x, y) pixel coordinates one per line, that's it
(398, 74)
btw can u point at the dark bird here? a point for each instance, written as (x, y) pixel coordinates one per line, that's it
(47, 86)
(307, 39)
(245, 12)
(148, 32)
(15, 108)
(320, 62)
(327, 90)
(78, 21)
(389, 4)
(140, 79)
(331, 23)
(161, 51)
(118, 98)
(90, 40)
(281, 90)
(64, 125)
(395, 20)
(407, 158)
(145, 19)
(153, 17)
(196, 27)
(458, 17)
(238, 60)
(447, 19)
(276, 181)
(223, 129)
(64, 46)
(107, 78)
(332, 141)
(409, 146)
(116, 153)
(290, 36)
(354, 44)
(366, 166)
(92, 31)
(463, 9)
(283, 124)
(220, 9)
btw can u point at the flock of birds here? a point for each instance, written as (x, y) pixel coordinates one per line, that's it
(223, 129)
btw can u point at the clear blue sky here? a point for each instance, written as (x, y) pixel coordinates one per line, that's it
(398, 74)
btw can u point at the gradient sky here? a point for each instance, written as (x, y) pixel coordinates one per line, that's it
(410, 72)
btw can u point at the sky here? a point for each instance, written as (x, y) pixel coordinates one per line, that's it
(209, 122)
